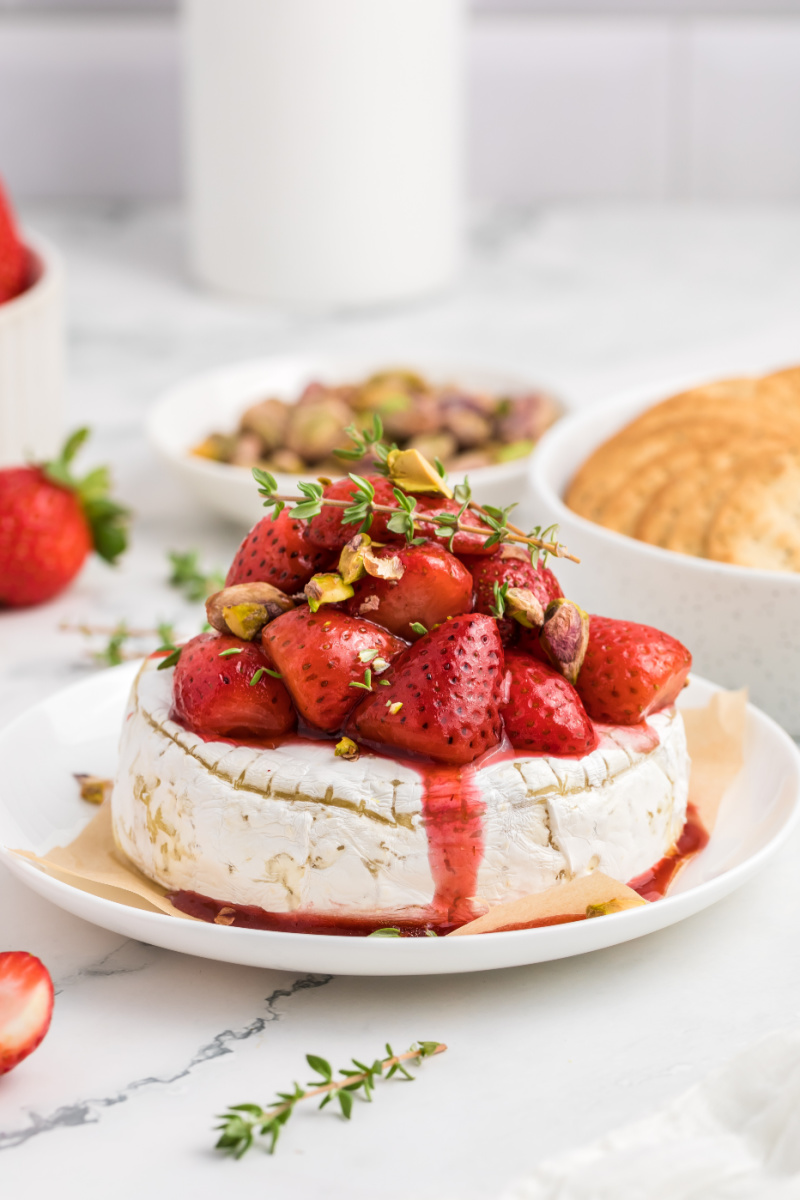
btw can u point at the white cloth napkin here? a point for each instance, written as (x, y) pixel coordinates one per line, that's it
(735, 1136)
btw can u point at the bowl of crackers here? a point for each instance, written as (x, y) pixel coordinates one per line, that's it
(684, 501)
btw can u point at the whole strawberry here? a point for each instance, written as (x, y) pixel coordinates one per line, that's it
(49, 521)
(327, 659)
(278, 552)
(224, 687)
(13, 255)
(444, 695)
(433, 586)
(543, 713)
(26, 1006)
(630, 671)
(503, 568)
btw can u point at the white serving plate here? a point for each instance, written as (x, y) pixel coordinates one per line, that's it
(741, 625)
(77, 730)
(215, 401)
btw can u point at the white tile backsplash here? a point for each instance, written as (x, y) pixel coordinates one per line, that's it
(654, 107)
(743, 126)
(569, 108)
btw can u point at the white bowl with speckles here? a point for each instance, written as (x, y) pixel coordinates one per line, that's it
(742, 625)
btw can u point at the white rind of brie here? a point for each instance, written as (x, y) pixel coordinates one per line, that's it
(297, 829)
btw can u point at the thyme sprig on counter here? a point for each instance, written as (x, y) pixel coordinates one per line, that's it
(245, 1125)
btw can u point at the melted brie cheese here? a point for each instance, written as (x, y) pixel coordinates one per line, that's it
(295, 828)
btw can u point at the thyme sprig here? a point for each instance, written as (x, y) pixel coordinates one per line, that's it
(244, 1125)
(362, 507)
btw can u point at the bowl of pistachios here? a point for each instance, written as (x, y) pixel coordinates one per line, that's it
(290, 416)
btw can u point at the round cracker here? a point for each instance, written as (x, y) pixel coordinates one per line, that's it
(758, 524)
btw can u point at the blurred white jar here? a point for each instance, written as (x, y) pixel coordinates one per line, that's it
(324, 147)
(32, 362)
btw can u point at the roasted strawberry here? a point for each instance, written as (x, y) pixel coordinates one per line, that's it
(223, 688)
(26, 1006)
(433, 586)
(13, 255)
(328, 530)
(543, 713)
(278, 552)
(327, 659)
(444, 695)
(517, 573)
(49, 521)
(630, 671)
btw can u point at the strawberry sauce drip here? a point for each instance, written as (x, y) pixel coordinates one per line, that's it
(653, 884)
(452, 814)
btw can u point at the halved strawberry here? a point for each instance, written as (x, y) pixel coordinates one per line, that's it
(327, 659)
(278, 552)
(630, 671)
(26, 1006)
(434, 586)
(223, 688)
(444, 695)
(543, 713)
(517, 573)
(327, 529)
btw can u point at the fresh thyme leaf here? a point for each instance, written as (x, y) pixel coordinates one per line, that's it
(418, 627)
(188, 577)
(170, 660)
(259, 674)
(499, 606)
(111, 655)
(228, 653)
(269, 671)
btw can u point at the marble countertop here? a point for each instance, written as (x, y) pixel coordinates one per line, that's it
(146, 1045)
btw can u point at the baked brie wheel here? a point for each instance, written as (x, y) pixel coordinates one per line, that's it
(296, 830)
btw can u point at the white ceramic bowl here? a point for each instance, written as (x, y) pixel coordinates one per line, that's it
(216, 400)
(742, 625)
(32, 362)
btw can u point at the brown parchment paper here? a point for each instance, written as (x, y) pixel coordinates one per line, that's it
(715, 736)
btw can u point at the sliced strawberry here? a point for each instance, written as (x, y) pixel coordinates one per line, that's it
(448, 687)
(434, 586)
(13, 255)
(543, 713)
(328, 530)
(278, 552)
(213, 692)
(322, 655)
(630, 671)
(463, 543)
(26, 1006)
(517, 573)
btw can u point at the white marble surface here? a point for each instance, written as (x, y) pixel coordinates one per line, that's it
(147, 1046)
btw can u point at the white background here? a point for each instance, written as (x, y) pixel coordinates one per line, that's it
(567, 99)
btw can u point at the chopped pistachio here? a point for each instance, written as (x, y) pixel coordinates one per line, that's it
(366, 656)
(525, 607)
(565, 637)
(358, 558)
(395, 708)
(94, 789)
(251, 606)
(518, 449)
(347, 748)
(413, 473)
(245, 620)
(615, 904)
(327, 588)
(380, 665)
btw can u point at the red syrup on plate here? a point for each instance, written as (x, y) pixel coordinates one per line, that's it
(653, 884)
